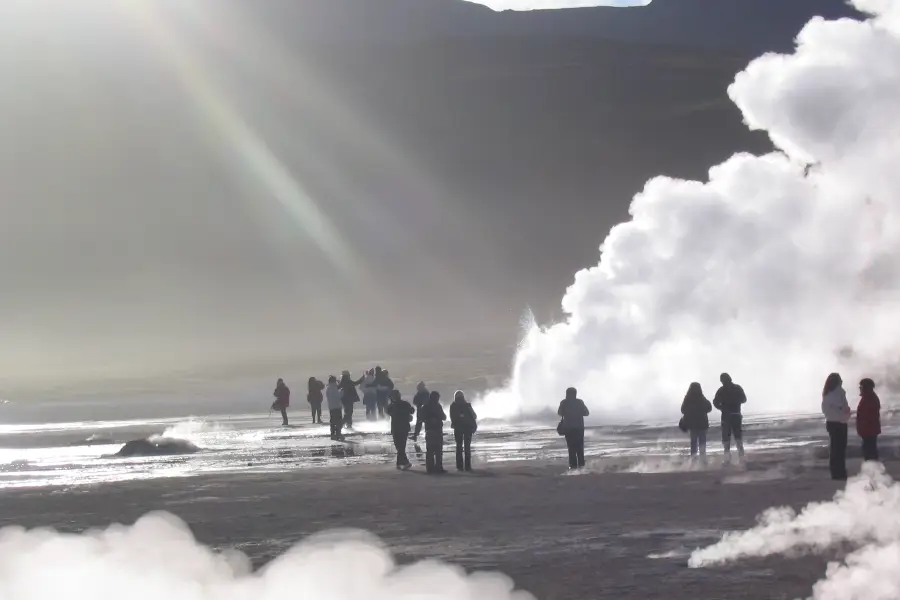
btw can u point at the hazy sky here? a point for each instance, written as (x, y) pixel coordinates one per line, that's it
(554, 4)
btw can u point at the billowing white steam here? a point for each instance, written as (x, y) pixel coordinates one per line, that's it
(554, 4)
(158, 557)
(772, 270)
(865, 516)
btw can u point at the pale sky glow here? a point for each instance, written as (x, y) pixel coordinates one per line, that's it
(554, 4)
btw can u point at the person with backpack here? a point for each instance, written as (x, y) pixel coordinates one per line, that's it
(573, 411)
(464, 422)
(696, 409)
(837, 416)
(868, 419)
(728, 400)
(282, 395)
(401, 414)
(433, 420)
(419, 401)
(315, 398)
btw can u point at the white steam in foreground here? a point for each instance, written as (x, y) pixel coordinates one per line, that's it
(158, 557)
(779, 269)
(866, 515)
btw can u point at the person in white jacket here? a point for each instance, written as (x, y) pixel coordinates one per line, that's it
(335, 396)
(837, 416)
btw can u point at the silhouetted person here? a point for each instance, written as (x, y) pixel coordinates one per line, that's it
(385, 387)
(837, 415)
(868, 419)
(433, 420)
(315, 398)
(419, 401)
(729, 399)
(282, 395)
(573, 411)
(351, 396)
(464, 422)
(370, 395)
(696, 409)
(401, 413)
(335, 396)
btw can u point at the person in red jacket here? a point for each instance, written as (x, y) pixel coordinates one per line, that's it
(868, 419)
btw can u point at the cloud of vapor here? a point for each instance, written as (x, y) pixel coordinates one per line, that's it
(778, 269)
(864, 516)
(499, 5)
(158, 557)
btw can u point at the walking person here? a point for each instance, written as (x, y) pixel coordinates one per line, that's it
(837, 416)
(350, 396)
(573, 411)
(464, 422)
(696, 409)
(384, 386)
(335, 396)
(401, 413)
(433, 420)
(729, 399)
(419, 401)
(868, 419)
(370, 395)
(282, 395)
(315, 399)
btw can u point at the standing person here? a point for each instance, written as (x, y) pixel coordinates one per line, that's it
(351, 396)
(573, 411)
(464, 422)
(315, 399)
(868, 419)
(728, 399)
(837, 415)
(334, 395)
(419, 401)
(370, 395)
(282, 395)
(401, 413)
(433, 419)
(696, 409)
(385, 387)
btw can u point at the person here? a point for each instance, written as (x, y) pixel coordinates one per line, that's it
(335, 396)
(837, 415)
(314, 397)
(419, 401)
(696, 409)
(433, 420)
(370, 395)
(573, 411)
(868, 419)
(282, 395)
(350, 397)
(464, 422)
(401, 414)
(728, 400)
(385, 387)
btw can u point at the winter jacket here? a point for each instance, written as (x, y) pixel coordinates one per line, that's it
(433, 417)
(835, 406)
(729, 399)
(696, 409)
(314, 396)
(401, 413)
(868, 415)
(463, 417)
(335, 396)
(421, 398)
(573, 411)
(348, 386)
(370, 391)
(282, 395)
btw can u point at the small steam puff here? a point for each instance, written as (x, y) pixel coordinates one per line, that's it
(158, 557)
(866, 515)
(771, 270)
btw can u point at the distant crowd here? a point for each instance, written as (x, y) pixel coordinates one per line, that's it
(382, 400)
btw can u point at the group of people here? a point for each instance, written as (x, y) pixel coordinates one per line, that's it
(382, 399)
(837, 419)
(695, 409)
